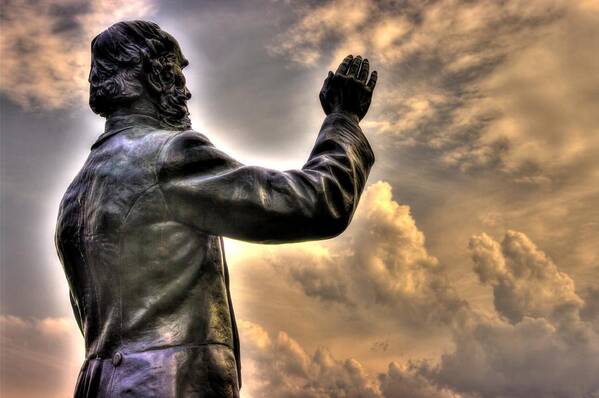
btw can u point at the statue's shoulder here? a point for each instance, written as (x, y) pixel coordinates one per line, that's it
(185, 140)
(184, 148)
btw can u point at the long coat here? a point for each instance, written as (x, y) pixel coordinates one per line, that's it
(139, 236)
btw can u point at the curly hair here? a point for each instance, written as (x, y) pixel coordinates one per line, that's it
(131, 55)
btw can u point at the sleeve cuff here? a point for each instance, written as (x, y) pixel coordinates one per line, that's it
(346, 115)
(351, 133)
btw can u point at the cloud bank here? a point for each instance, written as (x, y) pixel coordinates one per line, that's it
(44, 47)
(483, 85)
(484, 120)
(539, 339)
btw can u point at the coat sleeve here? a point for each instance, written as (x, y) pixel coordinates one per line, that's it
(205, 188)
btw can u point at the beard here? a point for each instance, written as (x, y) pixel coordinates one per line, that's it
(172, 107)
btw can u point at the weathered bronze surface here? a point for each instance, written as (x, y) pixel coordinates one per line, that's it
(140, 228)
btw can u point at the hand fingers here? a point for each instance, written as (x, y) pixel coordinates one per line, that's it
(355, 66)
(327, 80)
(344, 66)
(372, 82)
(363, 74)
(321, 96)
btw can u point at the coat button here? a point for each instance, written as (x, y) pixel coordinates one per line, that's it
(117, 358)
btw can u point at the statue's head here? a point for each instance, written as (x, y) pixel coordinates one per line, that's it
(136, 60)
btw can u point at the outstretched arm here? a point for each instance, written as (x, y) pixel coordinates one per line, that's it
(206, 188)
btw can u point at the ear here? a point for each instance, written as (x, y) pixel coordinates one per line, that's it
(155, 46)
(160, 74)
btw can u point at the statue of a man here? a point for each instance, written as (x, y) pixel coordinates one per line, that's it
(140, 228)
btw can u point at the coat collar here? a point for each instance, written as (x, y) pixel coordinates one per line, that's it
(117, 124)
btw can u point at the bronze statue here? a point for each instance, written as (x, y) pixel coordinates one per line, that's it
(140, 228)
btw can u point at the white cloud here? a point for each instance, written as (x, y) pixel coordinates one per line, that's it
(280, 367)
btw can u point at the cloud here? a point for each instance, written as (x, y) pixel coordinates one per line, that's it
(39, 357)
(539, 324)
(530, 358)
(542, 104)
(450, 29)
(280, 367)
(470, 93)
(539, 346)
(482, 108)
(44, 47)
(405, 381)
(332, 20)
(590, 311)
(539, 332)
(501, 86)
(379, 266)
(526, 283)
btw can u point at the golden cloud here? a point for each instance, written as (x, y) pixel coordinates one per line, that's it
(507, 86)
(379, 273)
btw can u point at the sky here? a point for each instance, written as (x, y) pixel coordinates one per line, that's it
(471, 268)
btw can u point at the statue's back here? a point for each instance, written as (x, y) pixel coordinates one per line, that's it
(150, 293)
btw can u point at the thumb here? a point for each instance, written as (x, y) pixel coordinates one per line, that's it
(327, 80)
(329, 76)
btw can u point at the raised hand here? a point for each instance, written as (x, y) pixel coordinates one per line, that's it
(349, 90)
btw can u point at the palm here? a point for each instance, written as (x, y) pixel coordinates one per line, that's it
(349, 89)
